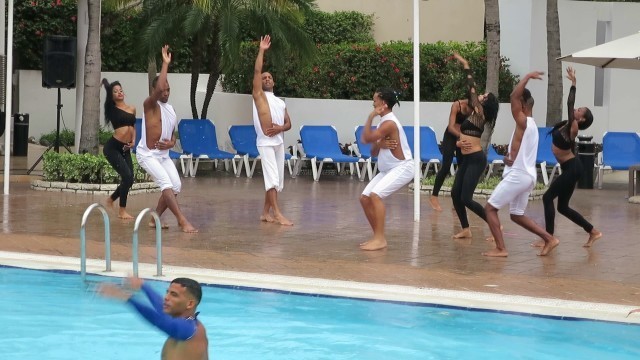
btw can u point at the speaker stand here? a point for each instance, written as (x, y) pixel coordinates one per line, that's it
(56, 143)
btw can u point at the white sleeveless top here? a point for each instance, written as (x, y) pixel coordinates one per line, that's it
(526, 159)
(386, 159)
(278, 108)
(168, 118)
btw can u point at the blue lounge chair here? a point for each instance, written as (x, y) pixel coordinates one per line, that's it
(364, 151)
(493, 158)
(620, 150)
(429, 151)
(185, 167)
(198, 139)
(320, 143)
(243, 138)
(545, 157)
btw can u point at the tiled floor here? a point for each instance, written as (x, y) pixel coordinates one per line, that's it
(329, 224)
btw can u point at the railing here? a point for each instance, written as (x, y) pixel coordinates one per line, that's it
(158, 241)
(83, 241)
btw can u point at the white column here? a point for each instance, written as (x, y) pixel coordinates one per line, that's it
(82, 37)
(8, 92)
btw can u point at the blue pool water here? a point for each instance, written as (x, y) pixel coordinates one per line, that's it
(49, 315)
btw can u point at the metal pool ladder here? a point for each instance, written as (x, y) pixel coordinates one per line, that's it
(83, 240)
(134, 257)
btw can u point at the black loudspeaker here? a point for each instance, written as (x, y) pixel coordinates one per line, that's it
(59, 62)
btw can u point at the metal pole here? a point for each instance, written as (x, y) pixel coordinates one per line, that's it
(136, 227)
(83, 239)
(416, 110)
(9, 99)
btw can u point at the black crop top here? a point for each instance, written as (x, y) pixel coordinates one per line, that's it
(120, 118)
(561, 133)
(474, 124)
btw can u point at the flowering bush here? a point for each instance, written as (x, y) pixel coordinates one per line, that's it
(354, 71)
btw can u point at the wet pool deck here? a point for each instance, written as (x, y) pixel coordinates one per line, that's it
(329, 225)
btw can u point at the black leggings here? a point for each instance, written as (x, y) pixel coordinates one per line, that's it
(562, 188)
(467, 178)
(121, 162)
(448, 150)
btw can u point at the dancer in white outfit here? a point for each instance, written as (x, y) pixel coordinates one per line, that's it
(394, 162)
(519, 177)
(157, 138)
(271, 120)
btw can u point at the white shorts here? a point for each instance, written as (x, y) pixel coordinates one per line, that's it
(162, 170)
(386, 183)
(514, 189)
(272, 158)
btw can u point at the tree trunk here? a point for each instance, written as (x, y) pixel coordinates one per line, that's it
(152, 70)
(554, 89)
(214, 73)
(492, 28)
(89, 141)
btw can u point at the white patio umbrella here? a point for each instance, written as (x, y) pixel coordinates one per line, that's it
(623, 53)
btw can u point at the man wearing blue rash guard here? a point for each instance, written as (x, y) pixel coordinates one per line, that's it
(175, 315)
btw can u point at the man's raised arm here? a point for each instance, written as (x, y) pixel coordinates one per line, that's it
(156, 92)
(259, 98)
(516, 98)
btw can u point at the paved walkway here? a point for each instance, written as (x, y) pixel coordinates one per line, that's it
(329, 224)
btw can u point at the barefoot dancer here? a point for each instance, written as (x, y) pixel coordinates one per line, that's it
(158, 125)
(271, 120)
(460, 110)
(117, 150)
(564, 135)
(484, 110)
(395, 163)
(519, 177)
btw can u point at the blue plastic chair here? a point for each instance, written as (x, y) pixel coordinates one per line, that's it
(198, 139)
(620, 150)
(371, 166)
(493, 158)
(544, 156)
(429, 151)
(320, 143)
(243, 138)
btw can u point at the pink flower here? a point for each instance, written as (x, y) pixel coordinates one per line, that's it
(74, 18)
(396, 70)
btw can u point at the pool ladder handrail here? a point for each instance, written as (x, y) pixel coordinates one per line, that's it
(134, 256)
(83, 240)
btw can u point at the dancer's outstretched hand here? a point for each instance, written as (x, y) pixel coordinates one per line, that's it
(571, 75)
(265, 42)
(166, 55)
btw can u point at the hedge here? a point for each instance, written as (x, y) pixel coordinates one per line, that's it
(354, 71)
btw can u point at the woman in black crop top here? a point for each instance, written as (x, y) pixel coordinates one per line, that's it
(563, 135)
(484, 109)
(460, 110)
(118, 149)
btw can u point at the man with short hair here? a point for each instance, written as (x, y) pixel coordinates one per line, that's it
(175, 315)
(157, 138)
(519, 177)
(271, 120)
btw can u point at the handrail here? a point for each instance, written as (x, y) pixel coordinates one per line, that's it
(83, 241)
(134, 257)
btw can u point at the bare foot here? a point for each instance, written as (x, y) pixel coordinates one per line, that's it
(465, 233)
(374, 244)
(539, 243)
(549, 246)
(365, 243)
(593, 236)
(283, 221)
(125, 215)
(152, 224)
(266, 218)
(496, 253)
(188, 228)
(435, 204)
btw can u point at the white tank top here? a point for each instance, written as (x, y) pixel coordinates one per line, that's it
(278, 108)
(168, 118)
(526, 159)
(386, 159)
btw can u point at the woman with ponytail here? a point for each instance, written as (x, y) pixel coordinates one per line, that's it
(563, 137)
(118, 149)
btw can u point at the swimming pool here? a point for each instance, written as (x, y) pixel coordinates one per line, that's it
(53, 315)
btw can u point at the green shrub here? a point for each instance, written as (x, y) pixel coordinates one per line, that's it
(84, 168)
(489, 183)
(354, 71)
(67, 137)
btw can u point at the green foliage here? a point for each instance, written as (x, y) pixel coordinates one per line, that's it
(484, 184)
(84, 168)
(67, 137)
(34, 20)
(339, 27)
(354, 71)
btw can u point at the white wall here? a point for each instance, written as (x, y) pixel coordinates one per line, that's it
(523, 41)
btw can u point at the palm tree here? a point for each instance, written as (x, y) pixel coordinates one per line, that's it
(554, 88)
(492, 28)
(212, 29)
(89, 141)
